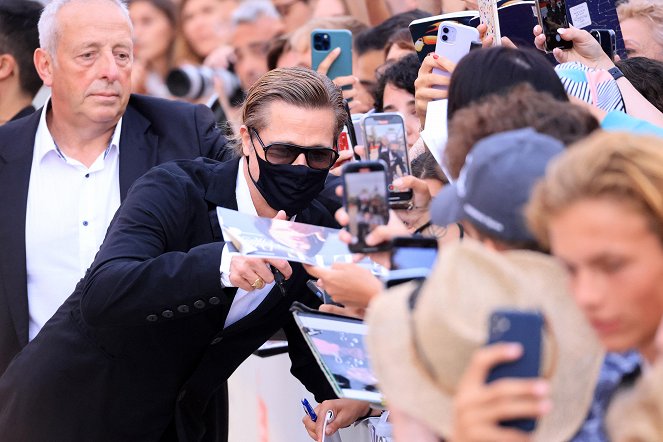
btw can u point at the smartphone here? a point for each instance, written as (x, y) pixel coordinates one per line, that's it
(525, 328)
(413, 252)
(323, 41)
(552, 16)
(424, 30)
(607, 39)
(385, 139)
(412, 257)
(365, 200)
(454, 41)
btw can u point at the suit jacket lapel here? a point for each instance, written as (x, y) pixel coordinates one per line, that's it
(138, 149)
(15, 165)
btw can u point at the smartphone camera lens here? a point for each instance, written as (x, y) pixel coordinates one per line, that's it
(445, 30)
(445, 38)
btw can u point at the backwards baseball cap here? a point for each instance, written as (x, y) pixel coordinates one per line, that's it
(495, 183)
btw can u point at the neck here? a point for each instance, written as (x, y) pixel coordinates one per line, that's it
(262, 208)
(12, 102)
(82, 143)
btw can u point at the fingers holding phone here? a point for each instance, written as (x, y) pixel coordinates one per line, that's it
(479, 407)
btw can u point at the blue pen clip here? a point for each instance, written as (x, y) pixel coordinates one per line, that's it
(309, 410)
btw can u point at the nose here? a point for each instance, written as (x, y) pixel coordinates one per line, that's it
(587, 290)
(300, 160)
(108, 68)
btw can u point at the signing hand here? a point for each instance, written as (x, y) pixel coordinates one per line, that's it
(347, 283)
(254, 273)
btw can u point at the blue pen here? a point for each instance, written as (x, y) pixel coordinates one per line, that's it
(309, 410)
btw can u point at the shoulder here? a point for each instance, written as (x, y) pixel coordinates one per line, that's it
(161, 112)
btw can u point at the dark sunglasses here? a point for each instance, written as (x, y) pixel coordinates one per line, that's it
(319, 158)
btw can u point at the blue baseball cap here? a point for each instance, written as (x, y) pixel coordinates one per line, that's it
(496, 182)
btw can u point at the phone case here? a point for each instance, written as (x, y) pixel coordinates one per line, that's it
(458, 43)
(488, 15)
(337, 38)
(424, 30)
(524, 328)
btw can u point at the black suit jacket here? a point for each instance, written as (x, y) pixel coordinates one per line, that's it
(153, 131)
(139, 350)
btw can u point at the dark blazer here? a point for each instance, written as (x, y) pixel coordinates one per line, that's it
(138, 351)
(153, 131)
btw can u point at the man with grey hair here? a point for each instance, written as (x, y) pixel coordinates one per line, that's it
(66, 168)
(255, 24)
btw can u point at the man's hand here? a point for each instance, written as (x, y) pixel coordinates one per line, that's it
(346, 412)
(246, 273)
(586, 49)
(424, 86)
(479, 407)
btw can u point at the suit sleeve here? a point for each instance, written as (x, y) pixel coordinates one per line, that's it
(157, 256)
(213, 144)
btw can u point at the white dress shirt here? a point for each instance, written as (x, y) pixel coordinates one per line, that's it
(244, 302)
(69, 208)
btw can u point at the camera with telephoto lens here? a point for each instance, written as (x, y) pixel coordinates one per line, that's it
(193, 82)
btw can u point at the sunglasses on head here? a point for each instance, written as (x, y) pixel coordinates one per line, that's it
(320, 158)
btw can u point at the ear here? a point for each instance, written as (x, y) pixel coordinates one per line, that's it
(246, 140)
(7, 66)
(44, 65)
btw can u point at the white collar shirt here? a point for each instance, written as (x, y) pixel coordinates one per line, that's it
(69, 208)
(244, 302)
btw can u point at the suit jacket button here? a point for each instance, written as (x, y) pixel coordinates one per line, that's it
(214, 300)
(183, 308)
(152, 318)
(199, 304)
(216, 340)
(167, 314)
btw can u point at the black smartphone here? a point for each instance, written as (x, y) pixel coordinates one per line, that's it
(365, 201)
(525, 328)
(552, 16)
(607, 39)
(385, 139)
(412, 257)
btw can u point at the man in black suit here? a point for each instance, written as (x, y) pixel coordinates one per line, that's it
(167, 312)
(91, 132)
(19, 82)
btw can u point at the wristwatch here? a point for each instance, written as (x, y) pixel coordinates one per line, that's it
(616, 72)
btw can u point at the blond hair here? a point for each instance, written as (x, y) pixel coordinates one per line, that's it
(621, 167)
(649, 10)
(296, 86)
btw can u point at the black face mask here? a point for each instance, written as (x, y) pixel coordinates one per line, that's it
(288, 187)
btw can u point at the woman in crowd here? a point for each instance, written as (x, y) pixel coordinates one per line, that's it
(154, 24)
(204, 26)
(642, 28)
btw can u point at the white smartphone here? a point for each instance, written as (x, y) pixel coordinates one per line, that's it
(454, 41)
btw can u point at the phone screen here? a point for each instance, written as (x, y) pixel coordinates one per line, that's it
(412, 257)
(384, 137)
(366, 202)
(552, 14)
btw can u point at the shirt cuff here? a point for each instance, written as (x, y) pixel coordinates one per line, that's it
(224, 268)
